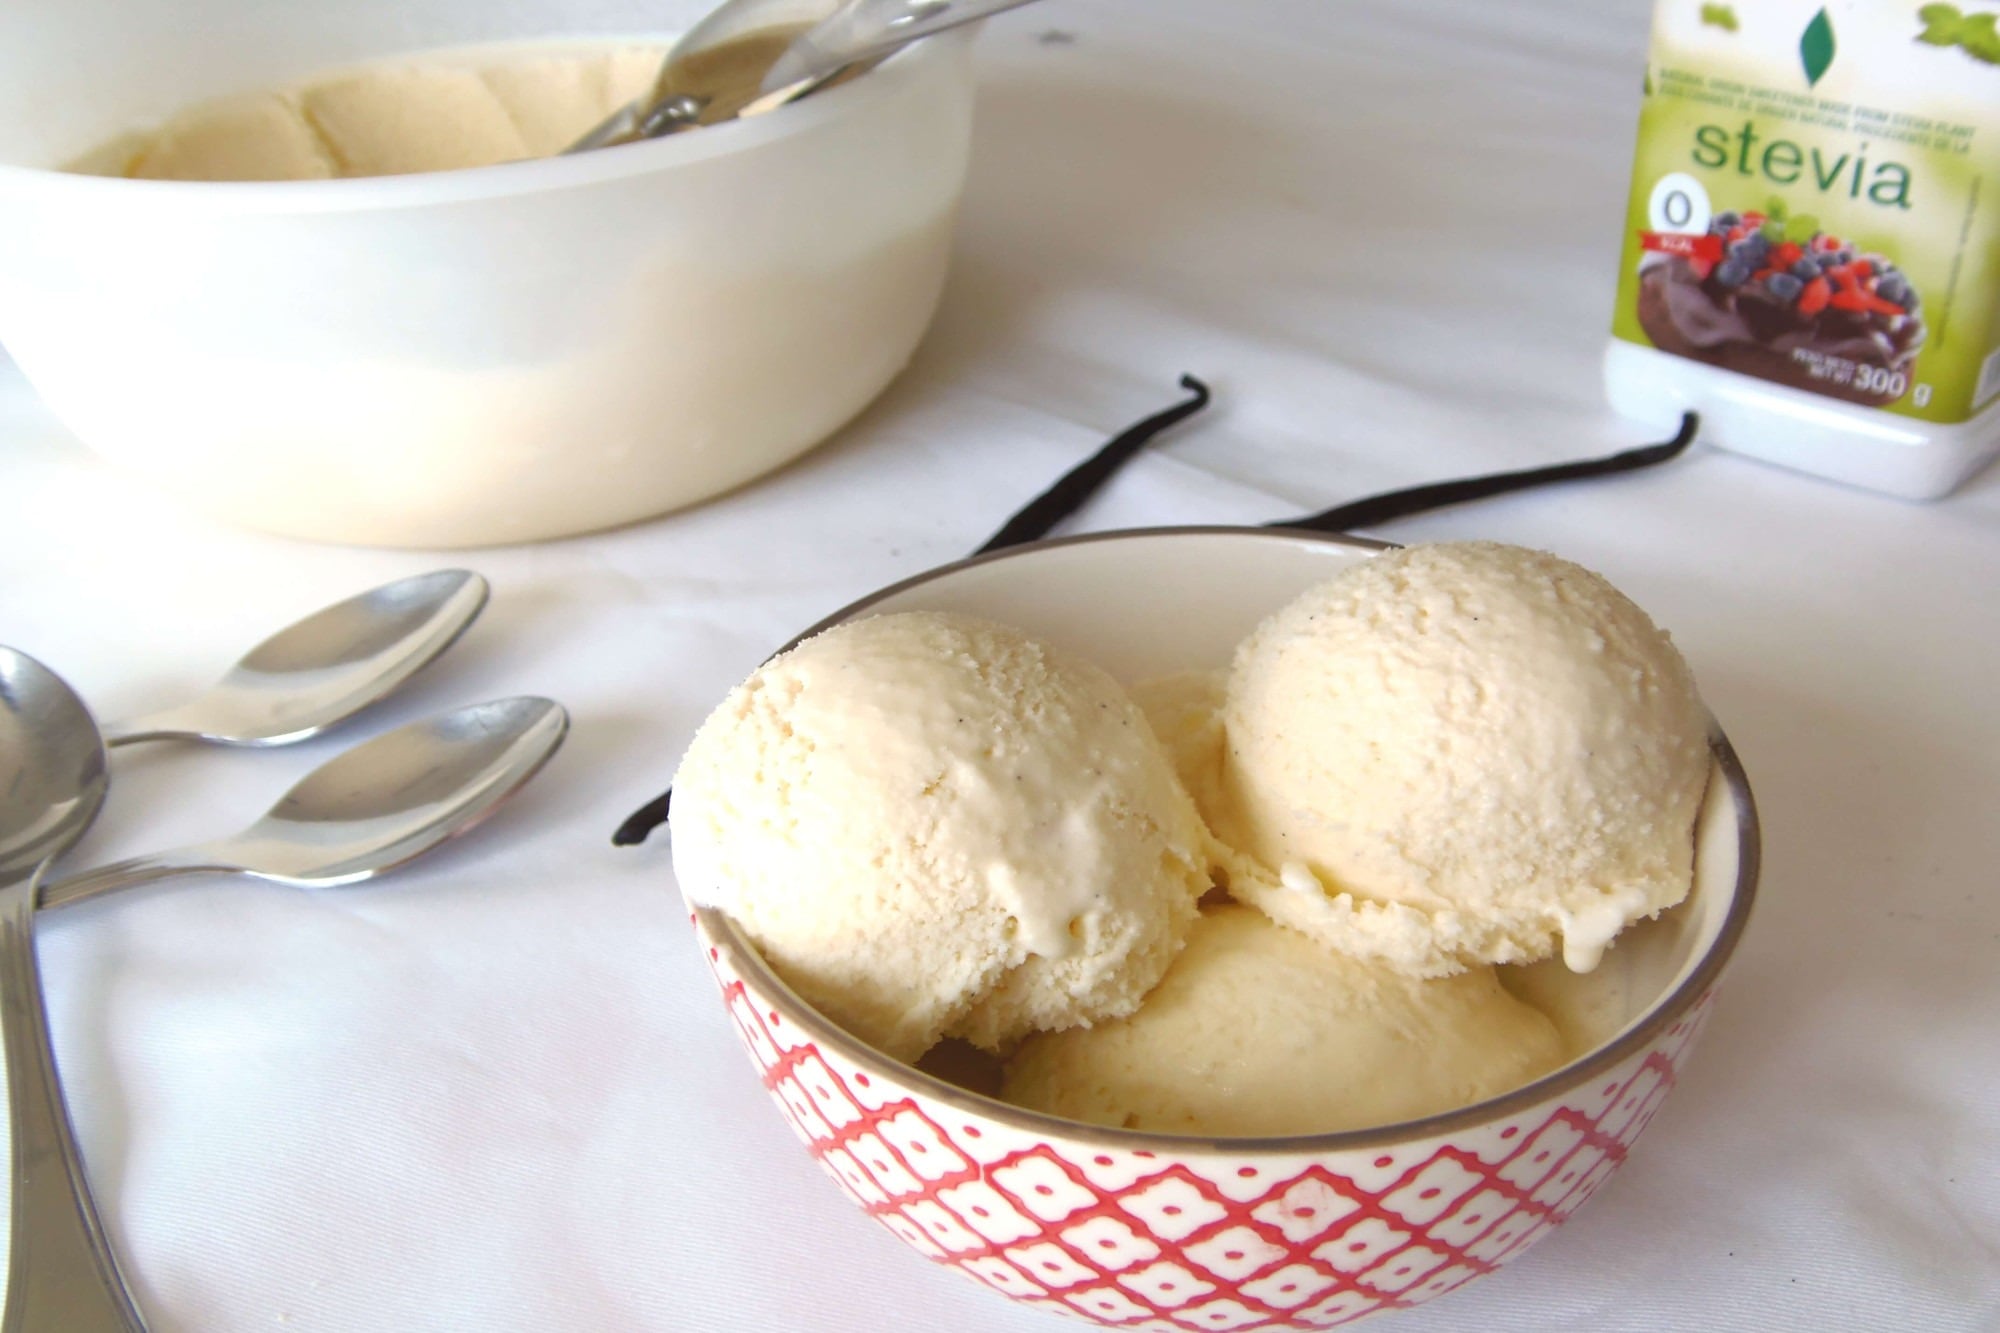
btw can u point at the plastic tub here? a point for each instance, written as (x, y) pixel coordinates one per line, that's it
(459, 358)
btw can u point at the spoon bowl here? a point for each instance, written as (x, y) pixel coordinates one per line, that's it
(369, 809)
(691, 84)
(52, 770)
(324, 669)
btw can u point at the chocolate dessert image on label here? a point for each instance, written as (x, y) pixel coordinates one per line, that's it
(1775, 297)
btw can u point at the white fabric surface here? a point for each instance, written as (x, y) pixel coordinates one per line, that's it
(498, 1093)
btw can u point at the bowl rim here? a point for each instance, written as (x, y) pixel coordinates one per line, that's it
(356, 194)
(1637, 1038)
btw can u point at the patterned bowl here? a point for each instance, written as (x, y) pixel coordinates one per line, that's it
(1149, 1231)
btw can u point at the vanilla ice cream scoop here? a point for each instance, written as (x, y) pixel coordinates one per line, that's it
(932, 825)
(1257, 1030)
(1461, 753)
(450, 109)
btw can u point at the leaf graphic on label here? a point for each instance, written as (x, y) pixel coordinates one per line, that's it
(1980, 40)
(1942, 24)
(1719, 16)
(1975, 34)
(1816, 47)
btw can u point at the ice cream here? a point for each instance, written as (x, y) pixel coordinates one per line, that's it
(1185, 710)
(1444, 758)
(1457, 754)
(447, 110)
(1258, 1030)
(931, 825)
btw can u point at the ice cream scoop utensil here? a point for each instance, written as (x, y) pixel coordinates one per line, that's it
(680, 91)
(697, 88)
(859, 34)
(367, 810)
(325, 668)
(61, 1273)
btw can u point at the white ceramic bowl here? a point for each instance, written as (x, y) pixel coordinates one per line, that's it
(1153, 1231)
(469, 357)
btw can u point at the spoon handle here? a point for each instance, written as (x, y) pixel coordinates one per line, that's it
(130, 872)
(868, 29)
(61, 1272)
(150, 727)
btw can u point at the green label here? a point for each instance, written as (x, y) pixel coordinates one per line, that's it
(1810, 202)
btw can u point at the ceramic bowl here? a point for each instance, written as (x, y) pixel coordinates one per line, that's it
(466, 357)
(1152, 1231)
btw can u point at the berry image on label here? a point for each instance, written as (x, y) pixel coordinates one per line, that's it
(1774, 296)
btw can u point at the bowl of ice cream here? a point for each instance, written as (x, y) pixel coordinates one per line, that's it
(434, 332)
(1033, 900)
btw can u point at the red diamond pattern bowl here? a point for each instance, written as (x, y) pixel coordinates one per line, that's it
(1143, 1231)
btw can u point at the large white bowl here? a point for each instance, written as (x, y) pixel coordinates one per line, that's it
(459, 358)
(1156, 1231)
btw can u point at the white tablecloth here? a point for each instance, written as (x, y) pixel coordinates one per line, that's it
(498, 1093)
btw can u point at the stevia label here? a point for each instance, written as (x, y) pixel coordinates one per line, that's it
(1811, 199)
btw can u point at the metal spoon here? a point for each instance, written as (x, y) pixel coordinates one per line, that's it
(325, 668)
(364, 812)
(61, 1273)
(752, 56)
(860, 35)
(682, 89)
(368, 809)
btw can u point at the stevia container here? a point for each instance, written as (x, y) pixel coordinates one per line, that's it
(1810, 261)
(459, 358)
(1136, 1230)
